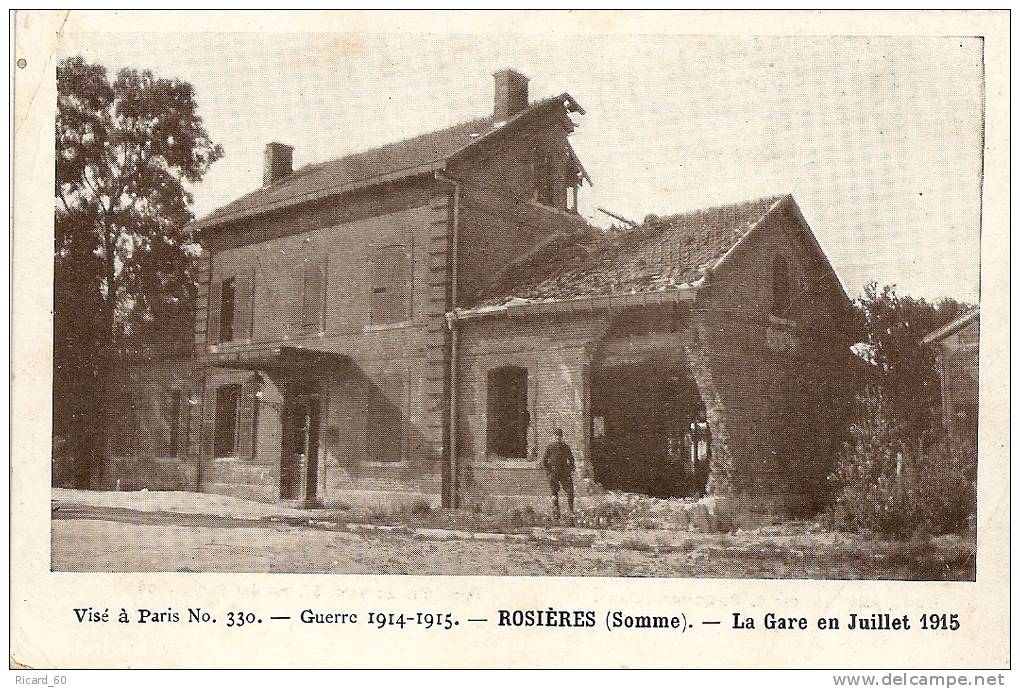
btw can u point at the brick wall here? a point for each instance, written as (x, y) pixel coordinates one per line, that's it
(957, 357)
(556, 352)
(252, 470)
(500, 219)
(268, 255)
(341, 235)
(507, 163)
(774, 387)
(778, 381)
(139, 435)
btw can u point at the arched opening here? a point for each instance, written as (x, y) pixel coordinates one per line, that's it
(780, 286)
(650, 432)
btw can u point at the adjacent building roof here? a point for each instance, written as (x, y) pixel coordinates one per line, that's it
(954, 326)
(420, 154)
(661, 255)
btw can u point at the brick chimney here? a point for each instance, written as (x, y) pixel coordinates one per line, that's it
(511, 93)
(279, 162)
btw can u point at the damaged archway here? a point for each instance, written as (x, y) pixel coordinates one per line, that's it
(656, 423)
(650, 431)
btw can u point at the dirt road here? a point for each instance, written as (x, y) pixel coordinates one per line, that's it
(103, 540)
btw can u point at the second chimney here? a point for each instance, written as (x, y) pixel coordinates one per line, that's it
(279, 162)
(511, 93)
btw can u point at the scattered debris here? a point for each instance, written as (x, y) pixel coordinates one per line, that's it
(629, 223)
(616, 509)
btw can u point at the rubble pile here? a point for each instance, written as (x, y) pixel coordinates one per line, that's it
(616, 509)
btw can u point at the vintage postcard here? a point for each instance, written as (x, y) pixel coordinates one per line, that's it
(512, 339)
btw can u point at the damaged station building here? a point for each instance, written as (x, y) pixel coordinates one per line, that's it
(412, 322)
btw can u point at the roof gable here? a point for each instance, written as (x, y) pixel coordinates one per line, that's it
(954, 326)
(417, 155)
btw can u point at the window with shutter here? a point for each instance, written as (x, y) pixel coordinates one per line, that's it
(313, 297)
(248, 411)
(244, 305)
(225, 431)
(170, 424)
(213, 316)
(226, 320)
(507, 417)
(386, 419)
(391, 285)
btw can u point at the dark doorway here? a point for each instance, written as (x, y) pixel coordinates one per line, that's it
(649, 431)
(299, 462)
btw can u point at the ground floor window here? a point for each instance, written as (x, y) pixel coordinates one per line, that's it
(124, 433)
(507, 416)
(170, 423)
(228, 398)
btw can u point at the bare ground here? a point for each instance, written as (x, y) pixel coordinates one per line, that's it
(101, 539)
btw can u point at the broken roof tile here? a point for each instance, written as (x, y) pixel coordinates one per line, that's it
(662, 253)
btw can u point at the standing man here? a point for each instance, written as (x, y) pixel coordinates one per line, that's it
(559, 465)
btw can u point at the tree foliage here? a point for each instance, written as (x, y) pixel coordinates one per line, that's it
(908, 379)
(896, 474)
(126, 152)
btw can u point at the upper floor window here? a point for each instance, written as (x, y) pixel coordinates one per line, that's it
(228, 294)
(228, 399)
(313, 299)
(780, 286)
(231, 307)
(544, 178)
(507, 417)
(391, 284)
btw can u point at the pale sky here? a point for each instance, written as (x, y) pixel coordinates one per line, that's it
(878, 139)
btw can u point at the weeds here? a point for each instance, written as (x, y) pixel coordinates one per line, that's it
(882, 485)
(420, 508)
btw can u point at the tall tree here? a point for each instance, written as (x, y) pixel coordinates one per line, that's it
(126, 152)
(908, 379)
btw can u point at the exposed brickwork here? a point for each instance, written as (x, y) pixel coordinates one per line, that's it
(721, 476)
(556, 352)
(408, 363)
(773, 402)
(139, 447)
(500, 218)
(778, 381)
(301, 260)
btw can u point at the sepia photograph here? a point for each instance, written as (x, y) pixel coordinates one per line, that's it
(693, 306)
(512, 339)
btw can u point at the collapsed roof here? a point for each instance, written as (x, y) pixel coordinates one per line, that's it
(662, 254)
